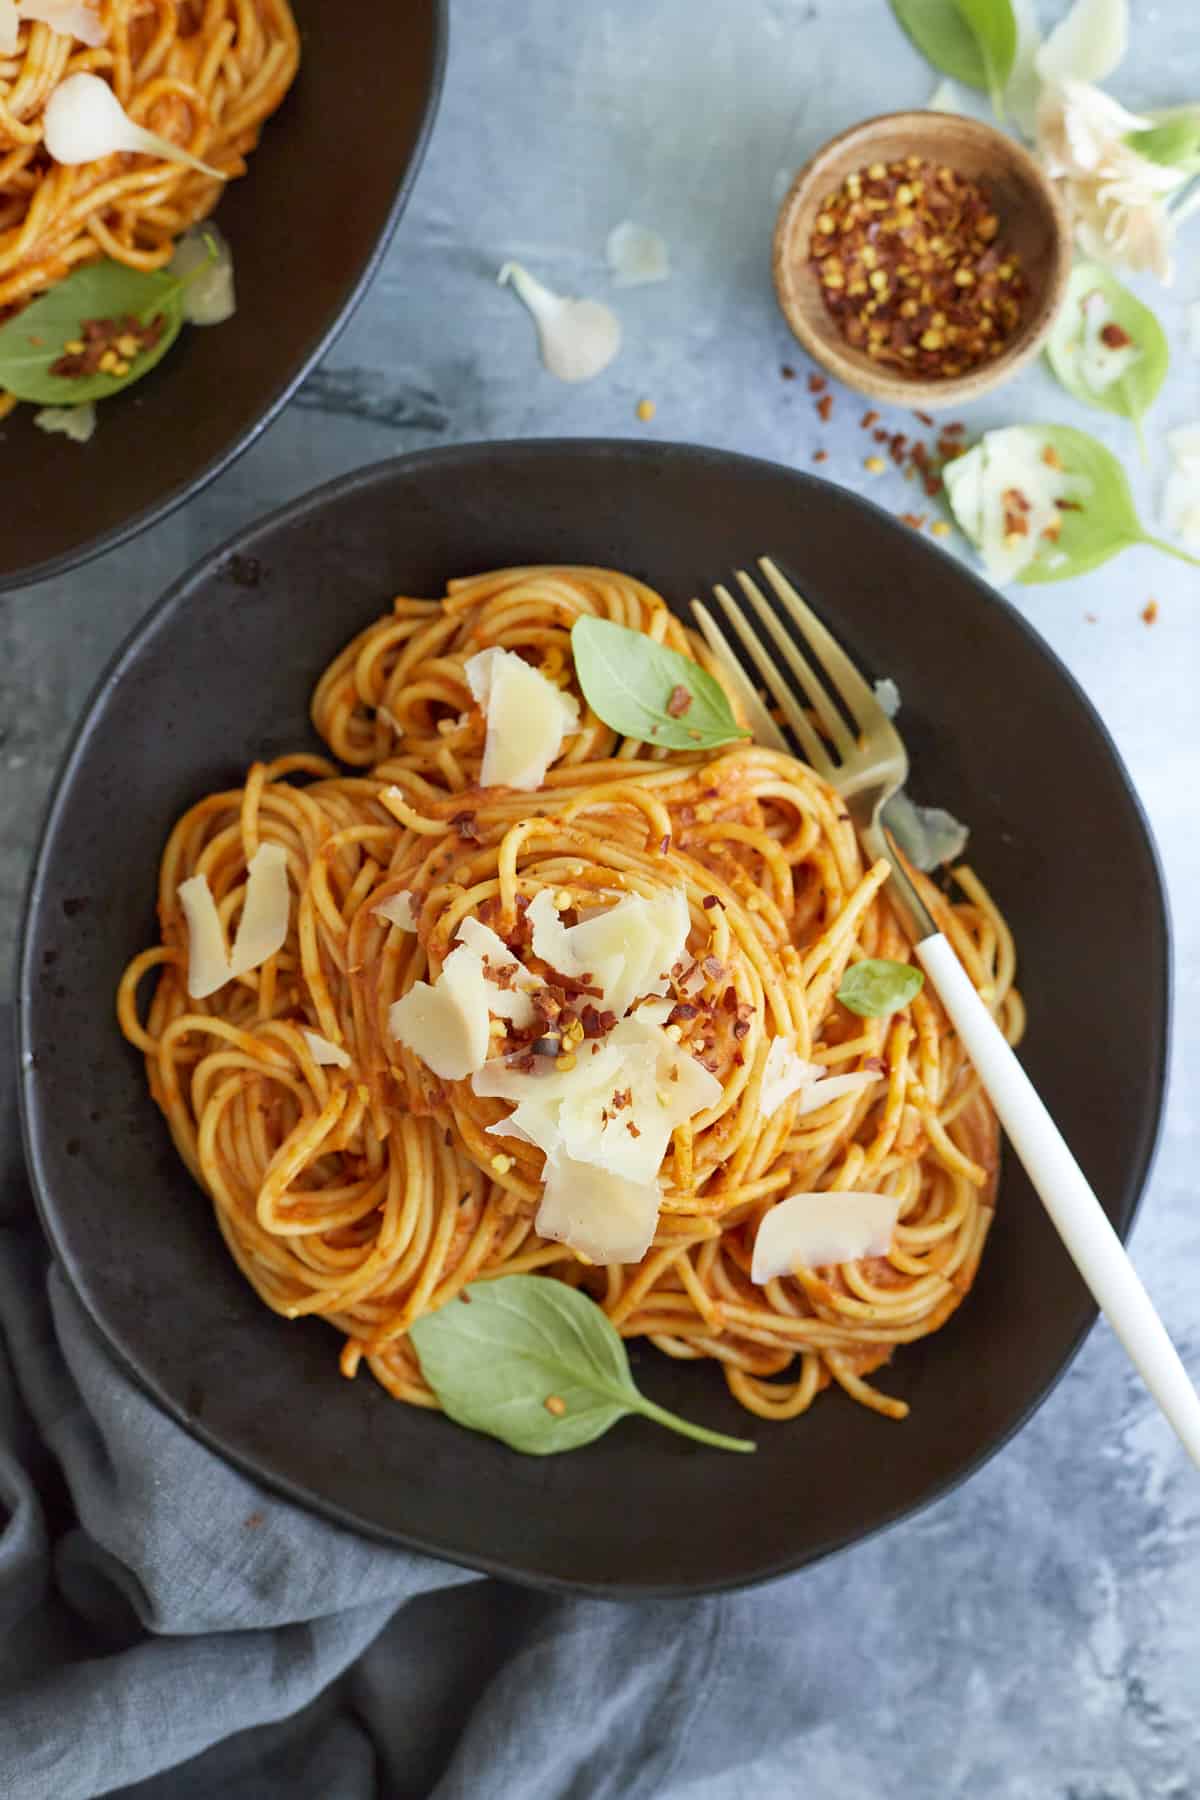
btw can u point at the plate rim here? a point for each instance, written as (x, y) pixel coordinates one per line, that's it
(50, 567)
(382, 473)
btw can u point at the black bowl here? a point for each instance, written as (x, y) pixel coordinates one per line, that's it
(309, 225)
(221, 672)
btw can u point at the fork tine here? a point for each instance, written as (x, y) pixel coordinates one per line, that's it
(835, 726)
(765, 730)
(814, 750)
(859, 698)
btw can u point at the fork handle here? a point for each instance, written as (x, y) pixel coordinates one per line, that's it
(1075, 1212)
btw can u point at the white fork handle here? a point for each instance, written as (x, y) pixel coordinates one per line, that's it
(1077, 1215)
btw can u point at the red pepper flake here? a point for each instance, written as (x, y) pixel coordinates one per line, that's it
(709, 901)
(820, 455)
(680, 702)
(955, 429)
(911, 269)
(1150, 612)
(713, 968)
(868, 419)
(664, 843)
(741, 1028)
(632, 1129)
(108, 346)
(816, 383)
(1115, 336)
(880, 435)
(682, 1013)
(925, 418)
(466, 826)
(622, 1098)
(787, 371)
(465, 1297)
(916, 520)
(825, 407)
(729, 999)
(1092, 618)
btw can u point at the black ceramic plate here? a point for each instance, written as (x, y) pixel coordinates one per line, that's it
(308, 225)
(221, 673)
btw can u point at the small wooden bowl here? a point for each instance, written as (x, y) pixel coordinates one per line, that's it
(1032, 221)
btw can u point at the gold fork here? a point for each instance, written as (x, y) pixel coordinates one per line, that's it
(868, 765)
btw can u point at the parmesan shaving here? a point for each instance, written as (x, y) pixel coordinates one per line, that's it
(784, 1074)
(1005, 496)
(446, 1024)
(326, 1053)
(76, 422)
(527, 719)
(928, 835)
(505, 1001)
(203, 261)
(816, 1231)
(602, 1215)
(264, 923)
(833, 1087)
(636, 256)
(628, 950)
(208, 959)
(70, 18)
(398, 911)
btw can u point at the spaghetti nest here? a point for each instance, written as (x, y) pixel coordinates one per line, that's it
(373, 1194)
(205, 73)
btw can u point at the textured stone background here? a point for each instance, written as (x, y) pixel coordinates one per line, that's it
(1037, 1635)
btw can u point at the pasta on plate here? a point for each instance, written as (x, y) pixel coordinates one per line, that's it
(585, 1027)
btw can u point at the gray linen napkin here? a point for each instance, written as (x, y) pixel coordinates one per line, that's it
(168, 1628)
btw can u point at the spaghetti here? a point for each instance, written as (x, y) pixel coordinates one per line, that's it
(373, 1194)
(205, 73)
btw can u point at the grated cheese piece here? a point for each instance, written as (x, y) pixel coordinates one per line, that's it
(513, 1002)
(208, 959)
(331, 1055)
(628, 950)
(264, 923)
(816, 1231)
(928, 835)
(603, 1215)
(446, 1024)
(784, 1074)
(76, 422)
(398, 911)
(1005, 496)
(833, 1087)
(70, 18)
(527, 719)
(636, 255)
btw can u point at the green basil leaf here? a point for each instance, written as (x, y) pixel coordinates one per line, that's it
(1174, 142)
(876, 987)
(1134, 391)
(1105, 519)
(524, 1340)
(973, 41)
(628, 681)
(32, 341)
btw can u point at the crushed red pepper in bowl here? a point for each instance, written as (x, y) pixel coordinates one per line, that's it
(913, 270)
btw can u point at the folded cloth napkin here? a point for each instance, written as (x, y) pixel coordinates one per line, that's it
(169, 1629)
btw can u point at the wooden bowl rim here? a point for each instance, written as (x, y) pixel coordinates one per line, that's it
(850, 366)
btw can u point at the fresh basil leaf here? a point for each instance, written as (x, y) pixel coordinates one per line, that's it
(35, 339)
(876, 987)
(637, 687)
(1174, 142)
(974, 41)
(1077, 358)
(1104, 520)
(538, 1365)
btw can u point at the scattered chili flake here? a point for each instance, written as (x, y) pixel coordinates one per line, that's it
(709, 901)
(881, 434)
(741, 1028)
(466, 826)
(554, 1403)
(1051, 457)
(825, 407)
(108, 346)
(956, 428)
(816, 383)
(632, 1129)
(868, 418)
(787, 371)
(1115, 336)
(820, 455)
(713, 968)
(1092, 618)
(912, 269)
(1150, 612)
(680, 1014)
(680, 702)
(622, 1098)
(916, 520)
(925, 418)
